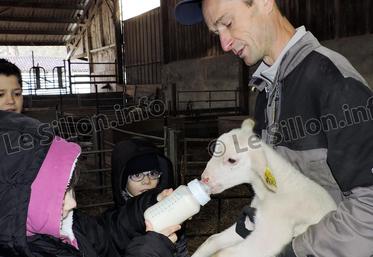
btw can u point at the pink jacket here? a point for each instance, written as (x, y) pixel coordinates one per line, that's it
(48, 189)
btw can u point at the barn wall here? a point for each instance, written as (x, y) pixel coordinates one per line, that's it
(204, 74)
(143, 51)
(98, 45)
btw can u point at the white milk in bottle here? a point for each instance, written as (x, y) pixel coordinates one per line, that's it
(179, 206)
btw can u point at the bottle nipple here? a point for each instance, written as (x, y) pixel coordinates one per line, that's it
(200, 191)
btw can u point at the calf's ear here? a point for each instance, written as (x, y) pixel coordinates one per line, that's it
(261, 164)
(248, 124)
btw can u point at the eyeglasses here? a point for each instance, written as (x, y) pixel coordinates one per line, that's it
(152, 174)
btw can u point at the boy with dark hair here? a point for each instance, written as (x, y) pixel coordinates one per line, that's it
(11, 98)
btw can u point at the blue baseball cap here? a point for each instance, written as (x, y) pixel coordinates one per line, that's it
(189, 12)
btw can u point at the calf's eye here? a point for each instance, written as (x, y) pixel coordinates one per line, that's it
(231, 161)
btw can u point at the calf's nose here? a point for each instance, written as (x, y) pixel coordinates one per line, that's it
(205, 180)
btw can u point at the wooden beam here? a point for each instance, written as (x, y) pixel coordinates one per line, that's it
(34, 32)
(110, 6)
(38, 19)
(79, 31)
(89, 48)
(102, 48)
(4, 10)
(73, 43)
(101, 25)
(41, 5)
(81, 56)
(32, 43)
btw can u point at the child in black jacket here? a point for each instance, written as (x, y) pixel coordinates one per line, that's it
(37, 216)
(138, 166)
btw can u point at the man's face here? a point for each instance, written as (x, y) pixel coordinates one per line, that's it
(241, 28)
(11, 98)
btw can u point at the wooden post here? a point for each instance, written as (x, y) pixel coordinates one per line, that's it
(118, 42)
(165, 44)
(88, 47)
(173, 152)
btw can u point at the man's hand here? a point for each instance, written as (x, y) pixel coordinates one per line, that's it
(164, 194)
(168, 232)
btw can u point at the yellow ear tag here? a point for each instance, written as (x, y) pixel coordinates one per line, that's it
(270, 179)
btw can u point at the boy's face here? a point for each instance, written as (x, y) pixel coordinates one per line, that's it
(11, 98)
(136, 188)
(69, 203)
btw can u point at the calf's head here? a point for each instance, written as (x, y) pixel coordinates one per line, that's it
(239, 157)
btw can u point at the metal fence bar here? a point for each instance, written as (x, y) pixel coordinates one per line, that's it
(95, 205)
(95, 171)
(195, 163)
(83, 63)
(206, 91)
(109, 143)
(92, 76)
(97, 151)
(92, 82)
(138, 134)
(189, 139)
(208, 101)
(80, 189)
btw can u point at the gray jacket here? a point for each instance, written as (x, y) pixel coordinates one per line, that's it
(318, 113)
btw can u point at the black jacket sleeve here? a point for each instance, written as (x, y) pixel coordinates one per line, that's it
(288, 251)
(110, 234)
(181, 243)
(150, 245)
(129, 218)
(346, 115)
(348, 230)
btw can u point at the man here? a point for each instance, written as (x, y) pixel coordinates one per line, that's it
(313, 107)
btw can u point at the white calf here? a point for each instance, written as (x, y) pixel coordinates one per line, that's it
(286, 201)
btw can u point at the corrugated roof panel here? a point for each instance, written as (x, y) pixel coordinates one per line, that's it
(47, 13)
(32, 39)
(22, 23)
(35, 26)
(30, 12)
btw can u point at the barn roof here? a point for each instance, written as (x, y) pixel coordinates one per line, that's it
(40, 22)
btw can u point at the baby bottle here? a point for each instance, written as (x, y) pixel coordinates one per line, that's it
(179, 206)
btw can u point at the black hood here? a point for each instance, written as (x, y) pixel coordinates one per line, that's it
(24, 143)
(129, 149)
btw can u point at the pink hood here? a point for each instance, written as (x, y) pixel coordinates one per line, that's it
(48, 189)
